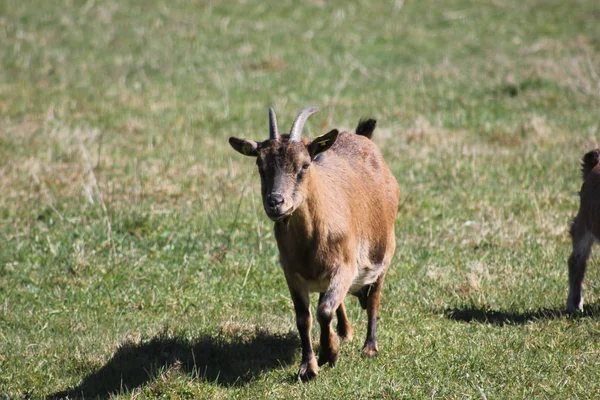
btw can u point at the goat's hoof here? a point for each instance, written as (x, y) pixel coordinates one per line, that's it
(574, 306)
(308, 370)
(330, 358)
(370, 350)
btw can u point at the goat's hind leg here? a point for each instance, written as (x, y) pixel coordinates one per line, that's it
(363, 295)
(582, 247)
(370, 348)
(344, 328)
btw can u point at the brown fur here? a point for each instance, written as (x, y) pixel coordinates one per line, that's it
(585, 228)
(339, 235)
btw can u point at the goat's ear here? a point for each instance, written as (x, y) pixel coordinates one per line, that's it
(322, 143)
(244, 146)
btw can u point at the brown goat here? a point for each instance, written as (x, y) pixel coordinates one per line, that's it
(334, 215)
(585, 228)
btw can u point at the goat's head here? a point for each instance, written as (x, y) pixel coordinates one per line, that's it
(589, 162)
(284, 163)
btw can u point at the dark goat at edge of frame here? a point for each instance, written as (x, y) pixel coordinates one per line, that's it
(585, 228)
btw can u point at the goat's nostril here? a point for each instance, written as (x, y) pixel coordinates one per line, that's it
(274, 199)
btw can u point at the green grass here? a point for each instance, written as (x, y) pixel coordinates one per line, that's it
(136, 260)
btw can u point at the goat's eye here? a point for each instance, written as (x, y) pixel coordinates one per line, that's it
(303, 170)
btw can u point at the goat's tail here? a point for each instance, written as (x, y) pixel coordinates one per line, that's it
(589, 161)
(366, 127)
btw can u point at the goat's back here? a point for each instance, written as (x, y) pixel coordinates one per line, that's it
(589, 209)
(357, 156)
(355, 165)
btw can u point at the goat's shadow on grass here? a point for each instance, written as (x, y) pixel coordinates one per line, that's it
(497, 317)
(220, 359)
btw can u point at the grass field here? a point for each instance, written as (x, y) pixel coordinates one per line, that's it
(136, 260)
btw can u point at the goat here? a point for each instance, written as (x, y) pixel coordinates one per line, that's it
(585, 228)
(334, 202)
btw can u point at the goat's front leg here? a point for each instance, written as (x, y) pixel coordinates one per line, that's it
(329, 302)
(582, 247)
(308, 367)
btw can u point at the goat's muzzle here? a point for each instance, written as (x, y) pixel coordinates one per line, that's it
(275, 206)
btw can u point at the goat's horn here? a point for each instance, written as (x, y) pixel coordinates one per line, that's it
(273, 131)
(299, 122)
